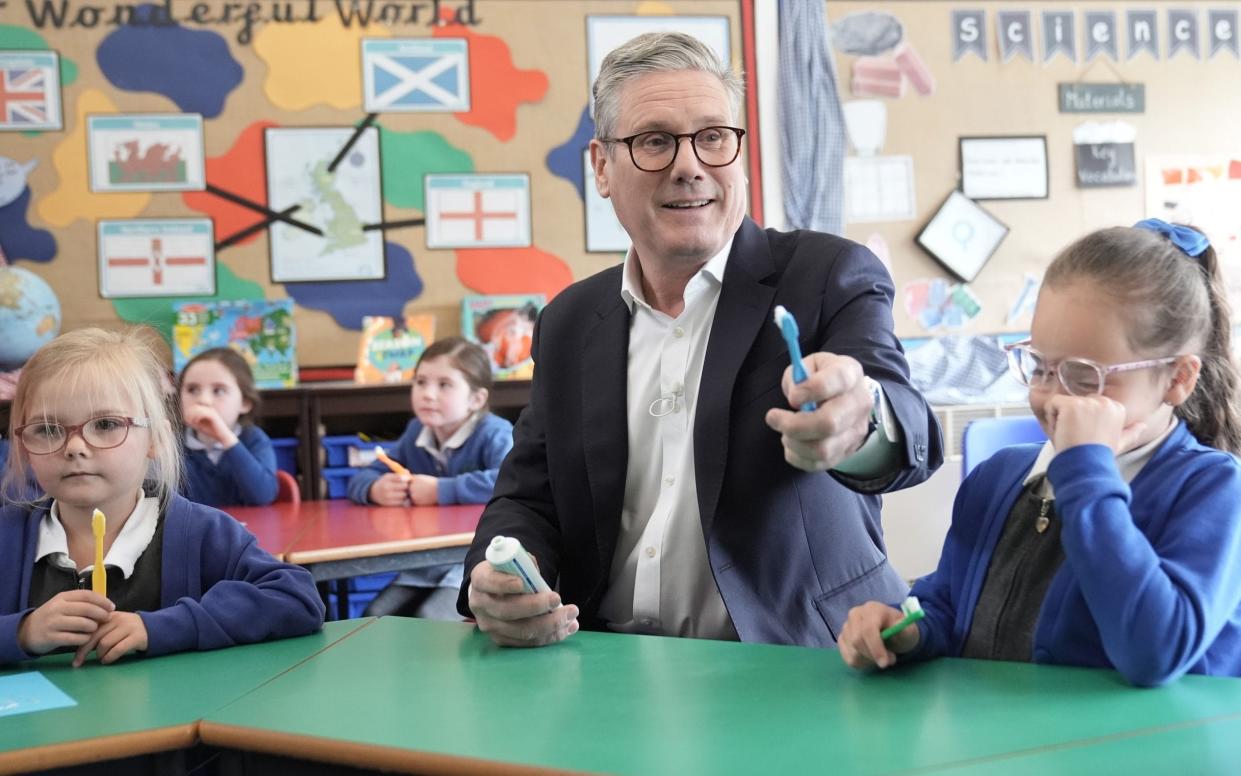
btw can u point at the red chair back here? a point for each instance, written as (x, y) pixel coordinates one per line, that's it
(287, 488)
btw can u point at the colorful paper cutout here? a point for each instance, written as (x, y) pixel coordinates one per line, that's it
(348, 303)
(18, 239)
(497, 87)
(935, 303)
(25, 39)
(191, 67)
(297, 80)
(72, 199)
(239, 170)
(409, 156)
(565, 160)
(512, 271)
(13, 178)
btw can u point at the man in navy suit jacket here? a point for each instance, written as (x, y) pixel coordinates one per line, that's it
(658, 477)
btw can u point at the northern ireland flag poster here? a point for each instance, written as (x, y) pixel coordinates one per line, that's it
(416, 75)
(478, 211)
(29, 90)
(156, 257)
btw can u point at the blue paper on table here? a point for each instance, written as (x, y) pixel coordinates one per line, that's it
(31, 691)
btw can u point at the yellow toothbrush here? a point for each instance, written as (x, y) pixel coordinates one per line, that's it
(98, 577)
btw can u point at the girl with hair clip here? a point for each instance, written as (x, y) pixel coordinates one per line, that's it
(91, 422)
(228, 460)
(1117, 544)
(452, 450)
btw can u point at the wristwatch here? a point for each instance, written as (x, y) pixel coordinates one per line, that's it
(876, 406)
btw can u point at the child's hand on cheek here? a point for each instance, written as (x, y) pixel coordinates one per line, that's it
(1090, 420)
(124, 632)
(424, 490)
(208, 423)
(68, 619)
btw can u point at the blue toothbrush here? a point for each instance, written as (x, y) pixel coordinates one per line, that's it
(788, 328)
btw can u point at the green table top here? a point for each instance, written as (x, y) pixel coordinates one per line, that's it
(1212, 747)
(633, 704)
(137, 696)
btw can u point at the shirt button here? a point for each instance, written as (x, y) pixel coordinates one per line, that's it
(678, 332)
(670, 480)
(647, 622)
(650, 552)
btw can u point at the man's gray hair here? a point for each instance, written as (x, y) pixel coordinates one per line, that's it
(656, 52)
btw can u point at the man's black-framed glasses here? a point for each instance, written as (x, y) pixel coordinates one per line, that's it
(102, 433)
(656, 151)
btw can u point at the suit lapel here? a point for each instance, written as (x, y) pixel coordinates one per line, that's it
(605, 430)
(743, 308)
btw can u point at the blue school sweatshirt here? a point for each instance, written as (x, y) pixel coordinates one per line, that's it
(244, 476)
(218, 588)
(1151, 579)
(470, 475)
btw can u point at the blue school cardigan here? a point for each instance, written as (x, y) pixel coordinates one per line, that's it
(470, 475)
(1151, 579)
(217, 587)
(244, 476)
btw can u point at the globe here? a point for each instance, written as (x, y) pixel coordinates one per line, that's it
(29, 315)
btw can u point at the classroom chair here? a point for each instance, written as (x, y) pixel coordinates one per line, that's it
(984, 437)
(287, 488)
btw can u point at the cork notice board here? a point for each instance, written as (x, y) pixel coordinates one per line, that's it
(486, 98)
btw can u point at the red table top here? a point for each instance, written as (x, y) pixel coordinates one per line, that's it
(319, 531)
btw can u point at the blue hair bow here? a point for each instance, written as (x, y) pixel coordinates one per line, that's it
(1191, 242)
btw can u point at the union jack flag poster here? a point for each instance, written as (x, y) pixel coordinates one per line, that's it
(29, 90)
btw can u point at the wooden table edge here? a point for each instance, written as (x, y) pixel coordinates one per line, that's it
(99, 749)
(310, 557)
(359, 755)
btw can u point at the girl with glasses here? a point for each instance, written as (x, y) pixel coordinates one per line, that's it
(1117, 544)
(91, 421)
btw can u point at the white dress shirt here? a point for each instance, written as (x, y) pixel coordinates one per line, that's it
(661, 580)
(128, 546)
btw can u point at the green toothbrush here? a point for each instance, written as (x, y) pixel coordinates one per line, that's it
(913, 613)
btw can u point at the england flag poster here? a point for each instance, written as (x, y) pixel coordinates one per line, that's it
(478, 211)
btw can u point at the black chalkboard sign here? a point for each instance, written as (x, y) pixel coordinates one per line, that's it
(1100, 165)
(1102, 98)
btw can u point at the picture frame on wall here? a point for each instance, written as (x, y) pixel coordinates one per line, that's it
(1004, 167)
(962, 236)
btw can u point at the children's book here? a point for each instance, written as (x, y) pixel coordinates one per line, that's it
(387, 354)
(261, 330)
(504, 326)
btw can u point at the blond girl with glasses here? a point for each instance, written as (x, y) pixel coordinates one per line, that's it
(91, 422)
(1117, 544)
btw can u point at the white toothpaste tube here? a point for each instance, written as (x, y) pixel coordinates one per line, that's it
(507, 556)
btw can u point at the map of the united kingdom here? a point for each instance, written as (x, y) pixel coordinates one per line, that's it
(325, 199)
